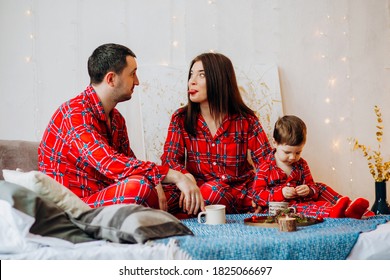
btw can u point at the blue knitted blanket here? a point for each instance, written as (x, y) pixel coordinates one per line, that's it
(331, 240)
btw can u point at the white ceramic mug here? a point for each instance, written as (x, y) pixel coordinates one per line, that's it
(274, 206)
(214, 215)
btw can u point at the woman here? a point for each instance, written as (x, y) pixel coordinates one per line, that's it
(210, 137)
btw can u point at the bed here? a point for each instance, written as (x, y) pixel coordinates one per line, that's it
(25, 228)
(332, 239)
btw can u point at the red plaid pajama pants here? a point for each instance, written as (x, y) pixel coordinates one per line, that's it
(132, 190)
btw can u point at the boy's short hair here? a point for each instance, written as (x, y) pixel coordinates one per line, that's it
(290, 130)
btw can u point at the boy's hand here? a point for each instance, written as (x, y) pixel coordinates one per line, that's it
(289, 192)
(302, 190)
(258, 209)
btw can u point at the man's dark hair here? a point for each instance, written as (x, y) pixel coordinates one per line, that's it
(106, 58)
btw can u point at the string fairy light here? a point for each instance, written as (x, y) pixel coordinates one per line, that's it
(175, 43)
(345, 61)
(177, 31)
(213, 8)
(332, 82)
(334, 56)
(31, 59)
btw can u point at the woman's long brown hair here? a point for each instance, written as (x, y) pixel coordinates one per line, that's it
(223, 94)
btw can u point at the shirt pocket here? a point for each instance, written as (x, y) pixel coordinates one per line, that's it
(234, 149)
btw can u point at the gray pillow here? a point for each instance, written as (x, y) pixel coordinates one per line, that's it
(129, 223)
(18, 154)
(50, 220)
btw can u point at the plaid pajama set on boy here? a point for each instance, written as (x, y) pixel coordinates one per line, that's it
(218, 163)
(270, 179)
(80, 151)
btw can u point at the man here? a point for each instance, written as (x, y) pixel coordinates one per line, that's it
(86, 147)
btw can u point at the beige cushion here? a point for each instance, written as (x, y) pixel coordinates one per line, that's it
(48, 188)
(50, 220)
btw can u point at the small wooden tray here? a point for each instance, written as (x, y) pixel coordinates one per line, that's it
(269, 222)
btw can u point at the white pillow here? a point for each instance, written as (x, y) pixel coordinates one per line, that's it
(48, 188)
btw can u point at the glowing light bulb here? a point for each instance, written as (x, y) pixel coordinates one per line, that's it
(327, 121)
(336, 144)
(327, 100)
(175, 44)
(27, 59)
(332, 82)
(28, 12)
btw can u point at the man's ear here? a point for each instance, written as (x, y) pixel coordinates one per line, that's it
(110, 78)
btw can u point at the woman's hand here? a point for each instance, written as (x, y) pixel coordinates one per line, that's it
(191, 199)
(162, 200)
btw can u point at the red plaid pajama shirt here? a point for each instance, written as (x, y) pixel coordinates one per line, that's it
(219, 163)
(270, 180)
(80, 151)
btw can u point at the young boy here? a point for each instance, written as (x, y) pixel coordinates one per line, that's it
(285, 176)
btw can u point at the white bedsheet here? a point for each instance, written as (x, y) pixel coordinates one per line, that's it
(372, 245)
(17, 243)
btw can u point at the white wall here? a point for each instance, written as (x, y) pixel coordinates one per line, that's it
(333, 58)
